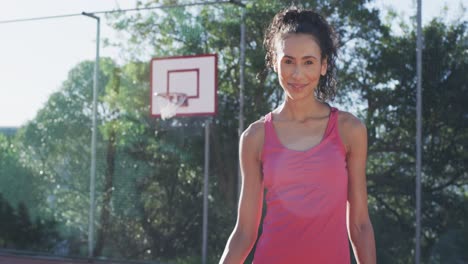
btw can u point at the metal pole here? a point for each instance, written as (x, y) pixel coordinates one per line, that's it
(417, 252)
(241, 90)
(205, 191)
(92, 189)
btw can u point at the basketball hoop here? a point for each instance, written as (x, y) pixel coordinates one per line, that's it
(169, 103)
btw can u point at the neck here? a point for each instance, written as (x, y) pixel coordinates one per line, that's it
(300, 110)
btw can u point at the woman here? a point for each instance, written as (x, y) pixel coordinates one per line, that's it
(308, 156)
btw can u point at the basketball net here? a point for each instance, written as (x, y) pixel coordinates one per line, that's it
(169, 103)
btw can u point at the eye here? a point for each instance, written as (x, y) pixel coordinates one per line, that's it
(288, 61)
(309, 62)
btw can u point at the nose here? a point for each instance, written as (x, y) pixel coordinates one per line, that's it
(296, 71)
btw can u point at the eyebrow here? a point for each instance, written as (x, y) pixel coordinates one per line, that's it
(304, 58)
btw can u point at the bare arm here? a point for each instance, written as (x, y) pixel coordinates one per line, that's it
(244, 234)
(360, 229)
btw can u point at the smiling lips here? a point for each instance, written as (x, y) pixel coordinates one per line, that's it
(297, 86)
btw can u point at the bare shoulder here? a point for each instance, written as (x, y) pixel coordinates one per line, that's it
(351, 128)
(253, 137)
(255, 130)
(349, 122)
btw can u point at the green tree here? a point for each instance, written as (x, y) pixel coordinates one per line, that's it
(8, 218)
(386, 81)
(17, 182)
(19, 232)
(130, 222)
(55, 147)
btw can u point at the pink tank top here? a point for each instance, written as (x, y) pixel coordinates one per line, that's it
(306, 196)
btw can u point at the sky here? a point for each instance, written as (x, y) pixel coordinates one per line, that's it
(35, 56)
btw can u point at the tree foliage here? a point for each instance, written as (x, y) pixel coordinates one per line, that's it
(18, 230)
(387, 83)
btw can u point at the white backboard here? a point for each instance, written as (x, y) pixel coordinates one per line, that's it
(196, 76)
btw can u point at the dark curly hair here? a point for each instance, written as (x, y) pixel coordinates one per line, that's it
(297, 20)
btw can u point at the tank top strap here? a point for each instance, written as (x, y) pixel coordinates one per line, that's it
(270, 134)
(269, 129)
(332, 121)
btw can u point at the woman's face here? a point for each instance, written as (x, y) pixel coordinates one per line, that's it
(299, 65)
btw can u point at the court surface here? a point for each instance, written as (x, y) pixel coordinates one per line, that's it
(20, 259)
